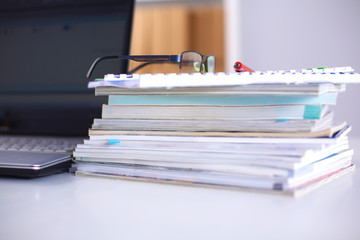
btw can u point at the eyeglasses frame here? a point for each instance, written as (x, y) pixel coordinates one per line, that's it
(149, 59)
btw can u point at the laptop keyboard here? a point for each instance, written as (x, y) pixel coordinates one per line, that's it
(38, 144)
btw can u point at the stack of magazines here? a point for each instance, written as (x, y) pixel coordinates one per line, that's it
(269, 131)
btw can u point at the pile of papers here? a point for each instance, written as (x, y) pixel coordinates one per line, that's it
(267, 131)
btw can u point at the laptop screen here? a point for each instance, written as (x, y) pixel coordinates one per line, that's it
(46, 50)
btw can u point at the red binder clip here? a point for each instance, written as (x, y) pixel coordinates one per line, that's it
(239, 67)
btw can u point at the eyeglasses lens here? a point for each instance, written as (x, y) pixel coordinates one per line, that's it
(190, 62)
(210, 61)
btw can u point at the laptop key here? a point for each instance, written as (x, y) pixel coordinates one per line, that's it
(38, 144)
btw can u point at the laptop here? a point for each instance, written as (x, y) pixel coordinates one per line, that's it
(47, 47)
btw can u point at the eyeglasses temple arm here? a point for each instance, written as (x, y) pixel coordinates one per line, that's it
(171, 59)
(155, 58)
(138, 58)
(91, 69)
(140, 66)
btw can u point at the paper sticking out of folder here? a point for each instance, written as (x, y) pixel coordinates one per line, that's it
(239, 67)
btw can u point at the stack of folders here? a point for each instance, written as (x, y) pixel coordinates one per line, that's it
(268, 131)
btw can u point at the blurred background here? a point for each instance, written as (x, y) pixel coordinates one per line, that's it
(171, 27)
(262, 34)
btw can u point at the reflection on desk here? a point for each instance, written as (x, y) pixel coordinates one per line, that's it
(63, 206)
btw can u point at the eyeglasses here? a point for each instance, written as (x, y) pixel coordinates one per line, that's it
(189, 61)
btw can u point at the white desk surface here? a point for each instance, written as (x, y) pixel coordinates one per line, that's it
(64, 206)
